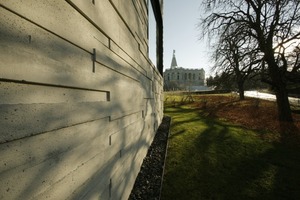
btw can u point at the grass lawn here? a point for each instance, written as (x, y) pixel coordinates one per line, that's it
(213, 157)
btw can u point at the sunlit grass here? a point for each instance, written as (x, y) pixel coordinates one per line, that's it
(211, 159)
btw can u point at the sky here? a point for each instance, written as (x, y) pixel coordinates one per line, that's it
(182, 35)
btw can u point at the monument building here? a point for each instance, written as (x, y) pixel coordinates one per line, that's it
(179, 78)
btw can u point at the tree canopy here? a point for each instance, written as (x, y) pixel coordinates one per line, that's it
(272, 27)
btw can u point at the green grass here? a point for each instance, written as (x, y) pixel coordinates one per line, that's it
(210, 159)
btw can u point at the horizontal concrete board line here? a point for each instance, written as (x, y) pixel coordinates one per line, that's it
(88, 19)
(17, 153)
(121, 17)
(126, 114)
(44, 28)
(90, 51)
(50, 85)
(113, 164)
(116, 70)
(140, 13)
(97, 185)
(22, 121)
(128, 158)
(121, 178)
(24, 92)
(111, 40)
(45, 171)
(48, 131)
(141, 69)
(105, 152)
(127, 135)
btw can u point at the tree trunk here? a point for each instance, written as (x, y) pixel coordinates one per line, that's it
(278, 82)
(283, 105)
(282, 99)
(241, 90)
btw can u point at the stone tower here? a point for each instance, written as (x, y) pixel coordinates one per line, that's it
(174, 62)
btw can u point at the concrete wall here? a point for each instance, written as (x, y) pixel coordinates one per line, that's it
(80, 100)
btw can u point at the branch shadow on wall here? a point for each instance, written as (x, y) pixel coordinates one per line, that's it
(60, 149)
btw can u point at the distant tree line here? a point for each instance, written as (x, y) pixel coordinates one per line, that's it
(226, 81)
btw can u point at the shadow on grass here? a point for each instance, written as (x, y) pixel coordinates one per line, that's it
(208, 159)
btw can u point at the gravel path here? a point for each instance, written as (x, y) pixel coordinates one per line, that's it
(149, 180)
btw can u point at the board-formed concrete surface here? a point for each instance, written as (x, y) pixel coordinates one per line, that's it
(80, 99)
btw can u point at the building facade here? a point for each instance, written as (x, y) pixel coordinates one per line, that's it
(179, 78)
(81, 100)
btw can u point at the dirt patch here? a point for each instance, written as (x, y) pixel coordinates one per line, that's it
(251, 113)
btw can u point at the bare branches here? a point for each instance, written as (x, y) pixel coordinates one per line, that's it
(272, 24)
(268, 26)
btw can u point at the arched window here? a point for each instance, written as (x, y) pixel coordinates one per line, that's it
(190, 76)
(178, 76)
(194, 76)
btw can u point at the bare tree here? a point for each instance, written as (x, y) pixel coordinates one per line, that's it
(272, 24)
(293, 62)
(295, 57)
(238, 56)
